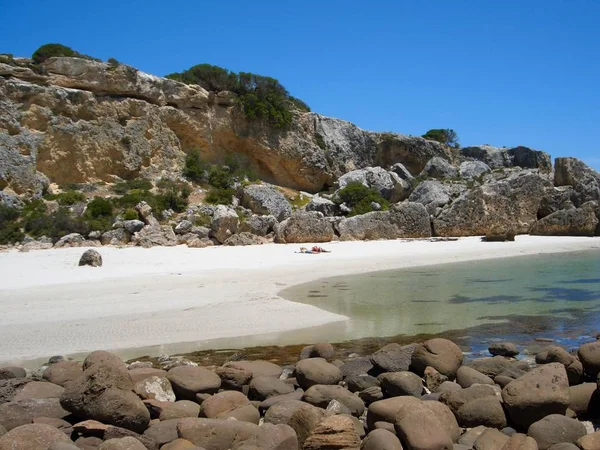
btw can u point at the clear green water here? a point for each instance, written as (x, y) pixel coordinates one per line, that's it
(551, 296)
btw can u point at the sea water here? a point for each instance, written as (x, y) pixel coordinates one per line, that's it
(521, 299)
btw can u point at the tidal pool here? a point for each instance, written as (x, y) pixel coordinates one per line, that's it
(554, 296)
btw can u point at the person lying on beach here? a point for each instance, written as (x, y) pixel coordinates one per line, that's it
(315, 249)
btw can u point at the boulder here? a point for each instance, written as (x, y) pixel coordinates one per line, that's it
(438, 167)
(403, 220)
(359, 383)
(39, 390)
(357, 366)
(141, 373)
(263, 387)
(179, 410)
(125, 443)
(282, 412)
(132, 226)
(187, 381)
(432, 194)
(91, 258)
(508, 204)
(388, 184)
(393, 357)
(585, 400)
(381, 440)
(555, 429)
(445, 417)
(228, 404)
(455, 399)
(312, 371)
(584, 180)
(491, 439)
(321, 395)
(572, 222)
(70, 240)
(322, 205)
(265, 199)
(183, 227)
(485, 411)
(473, 169)
(491, 366)
(386, 410)
(322, 350)
(155, 387)
(304, 420)
(395, 384)
(418, 428)
(104, 393)
(558, 354)
(467, 376)
(243, 238)
(588, 442)
(224, 224)
(499, 158)
(118, 236)
(33, 436)
(63, 372)
(163, 432)
(441, 354)
(304, 226)
(503, 349)
(151, 236)
(258, 225)
(557, 199)
(232, 378)
(333, 432)
(537, 394)
(589, 355)
(519, 441)
(257, 368)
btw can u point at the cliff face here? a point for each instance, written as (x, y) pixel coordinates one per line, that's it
(78, 121)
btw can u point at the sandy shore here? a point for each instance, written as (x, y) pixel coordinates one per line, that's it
(164, 295)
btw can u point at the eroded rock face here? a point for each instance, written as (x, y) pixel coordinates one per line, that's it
(498, 158)
(584, 180)
(304, 226)
(388, 184)
(266, 200)
(89, 121)
(511, 203)
(404, 220)
(572, 222)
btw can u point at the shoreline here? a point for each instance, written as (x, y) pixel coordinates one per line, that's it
(148, 301)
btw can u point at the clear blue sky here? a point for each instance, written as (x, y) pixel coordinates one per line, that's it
(498, 72)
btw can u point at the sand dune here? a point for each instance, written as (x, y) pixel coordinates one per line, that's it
(166, 295)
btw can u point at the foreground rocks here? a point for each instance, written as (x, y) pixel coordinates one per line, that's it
(418, 396)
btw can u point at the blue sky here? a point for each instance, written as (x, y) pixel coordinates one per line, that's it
(502, 73)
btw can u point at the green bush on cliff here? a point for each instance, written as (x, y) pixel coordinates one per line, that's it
(443, 136)
(50, 51)
(124, 187)
(194, 168)
(10, 231)
(67, 198)
(219, 196)
(359, 197)
(260, 97)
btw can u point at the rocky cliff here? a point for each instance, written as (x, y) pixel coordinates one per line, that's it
(74, 120)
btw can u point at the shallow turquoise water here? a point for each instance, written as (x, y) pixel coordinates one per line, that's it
(551, 296)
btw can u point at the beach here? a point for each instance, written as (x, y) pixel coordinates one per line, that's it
(165, 295)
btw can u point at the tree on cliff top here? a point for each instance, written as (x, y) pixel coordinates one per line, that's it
(443, 136)
(260, 97)
(47, 51)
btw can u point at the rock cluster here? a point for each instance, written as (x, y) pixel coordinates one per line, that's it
(423, 396)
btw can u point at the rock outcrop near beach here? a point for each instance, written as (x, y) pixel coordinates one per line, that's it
(83, 129)
(416, 396)
(79, 120)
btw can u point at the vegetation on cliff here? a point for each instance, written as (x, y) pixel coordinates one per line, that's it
(444, 136)
(54, 50)
(260, 97)
(361, 198)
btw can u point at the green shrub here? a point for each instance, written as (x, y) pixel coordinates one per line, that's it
(194, 168)
(99, 207)
(359, 197)
(10, 232)
(54, 50)
(124, 187)
(55, 225)
(51, 50)
(443, 136)
(220, 177)
(202, 220)
(130, 214)
(67, 198)
(260, 97)
(219, 196)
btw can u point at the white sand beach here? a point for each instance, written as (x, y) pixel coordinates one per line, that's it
(166, 295)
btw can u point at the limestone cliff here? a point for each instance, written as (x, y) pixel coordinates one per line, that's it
(73, 120)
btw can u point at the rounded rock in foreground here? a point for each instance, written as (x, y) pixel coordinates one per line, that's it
(503, 349)
(441, 354)
(381, 440)
(556, 429)
(313, 371)
(32, 437)
(91, 258)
